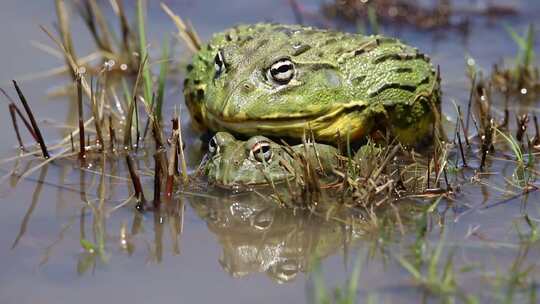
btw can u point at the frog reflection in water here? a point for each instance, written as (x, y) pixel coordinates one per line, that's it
(258, 237)
(259, 160)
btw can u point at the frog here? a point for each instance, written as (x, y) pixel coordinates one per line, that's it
(258, 161)
(280, 80)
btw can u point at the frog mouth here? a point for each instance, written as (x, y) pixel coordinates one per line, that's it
(248, 186)
(241, 118)
(337, 118)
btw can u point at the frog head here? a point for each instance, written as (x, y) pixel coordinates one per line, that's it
(258, 161)
(262, 81)
(231, 162)
(257, 84)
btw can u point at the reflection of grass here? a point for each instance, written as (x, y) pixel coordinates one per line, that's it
(517, 283)
(340, 295)
(441, 274)
(533, 235)
(428, 273)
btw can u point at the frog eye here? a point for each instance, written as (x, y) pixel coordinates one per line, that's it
(282, 71)
(213, 147)
(262, 151)
(219, 63)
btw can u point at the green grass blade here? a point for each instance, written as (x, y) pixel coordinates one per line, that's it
(164, 70)
(435, 258)
(410, 268)
(373, 22)
(435, 204)
(143, 52)
(532, 294)
(88, 246)
(522, 44)
(514, 145)
(528, 57)
(321, 297)
(352, 287)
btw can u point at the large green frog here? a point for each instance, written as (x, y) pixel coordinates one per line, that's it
(259, 161)
(278, 80)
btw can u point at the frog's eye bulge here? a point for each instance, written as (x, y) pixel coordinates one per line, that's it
(221, 139)
(282, 71)
(262, 151)
(219, 63)
(213, 146)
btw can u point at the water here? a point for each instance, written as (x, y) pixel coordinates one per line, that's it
(229, 251)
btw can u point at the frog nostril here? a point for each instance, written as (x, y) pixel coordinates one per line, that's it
(247, 87)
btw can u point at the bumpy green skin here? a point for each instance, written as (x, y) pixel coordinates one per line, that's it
(344, 85)
(233, 163)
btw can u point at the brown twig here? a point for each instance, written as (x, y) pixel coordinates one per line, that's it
(19, 113)
(428, 174)
(186, 32)
(180, 145)
(172, 170)
(448, 186)
(461, 149)
(157, 180)
(13, 113)
(536, 139)
(469, 106)
(33, 122)
(72, 143)
(465, 133)
(112, 135)
(137, 186)
(82, 144)
(522, 122)
(487, 143)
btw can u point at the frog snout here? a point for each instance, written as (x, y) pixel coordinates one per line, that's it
(240, 95)
(247, 87)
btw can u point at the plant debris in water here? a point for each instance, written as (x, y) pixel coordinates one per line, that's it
(442, 15)
(120, 90)
(523, 79)
(380, 176)
(118, 100)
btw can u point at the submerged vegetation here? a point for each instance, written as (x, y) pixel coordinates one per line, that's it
(383, 194)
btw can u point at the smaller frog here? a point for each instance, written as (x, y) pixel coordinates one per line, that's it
(258, 161)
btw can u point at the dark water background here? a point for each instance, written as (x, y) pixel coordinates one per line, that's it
(43, 266)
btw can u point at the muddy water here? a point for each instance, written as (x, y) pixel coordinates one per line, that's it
(237, 249)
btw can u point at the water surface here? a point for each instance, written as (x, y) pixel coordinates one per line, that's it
(237, 250)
